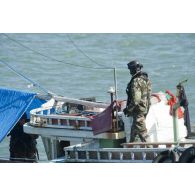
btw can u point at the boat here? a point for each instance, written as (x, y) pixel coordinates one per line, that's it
(83, 130)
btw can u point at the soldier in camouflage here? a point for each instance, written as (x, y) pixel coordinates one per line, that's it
(138, 101)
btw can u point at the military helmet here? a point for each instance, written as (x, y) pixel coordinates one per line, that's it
(134, 65)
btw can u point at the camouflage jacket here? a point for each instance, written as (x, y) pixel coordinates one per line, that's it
(138, 93)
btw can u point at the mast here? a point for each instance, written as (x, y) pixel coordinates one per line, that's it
(116, 96)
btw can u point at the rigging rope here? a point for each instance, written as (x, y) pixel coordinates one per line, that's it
(70, 39)
(51, 58)
(25, 78)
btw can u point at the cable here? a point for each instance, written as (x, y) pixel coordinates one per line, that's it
(53, 59)
(26, 78)
(82, 51)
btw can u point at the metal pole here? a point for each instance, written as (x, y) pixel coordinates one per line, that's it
(116, 96)
(175, 122)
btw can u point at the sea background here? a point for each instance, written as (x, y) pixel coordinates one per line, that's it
(81, 65)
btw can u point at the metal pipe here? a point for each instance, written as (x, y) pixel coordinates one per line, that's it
(175, 121)
(116, 97)
(81, 102)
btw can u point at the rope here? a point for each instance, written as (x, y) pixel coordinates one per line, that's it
(24, 77)
(51, 58)
(83, 51)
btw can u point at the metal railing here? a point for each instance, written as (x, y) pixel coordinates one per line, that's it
(131, 153)
(84, 153)
(46, 117)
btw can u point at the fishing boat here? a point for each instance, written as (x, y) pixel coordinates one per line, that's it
(99, 132)
(84, 130)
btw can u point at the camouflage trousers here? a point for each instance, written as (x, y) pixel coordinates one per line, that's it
(138, 128)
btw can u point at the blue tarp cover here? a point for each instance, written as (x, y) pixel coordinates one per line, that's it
(13, 104)
(36, 103)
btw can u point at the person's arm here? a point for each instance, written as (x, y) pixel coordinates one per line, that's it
(135, 96)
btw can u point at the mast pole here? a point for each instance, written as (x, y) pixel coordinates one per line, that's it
(116, 96)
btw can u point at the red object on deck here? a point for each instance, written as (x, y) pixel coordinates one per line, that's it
(173, 101)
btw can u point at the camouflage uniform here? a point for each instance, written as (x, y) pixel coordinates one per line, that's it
(138, 103)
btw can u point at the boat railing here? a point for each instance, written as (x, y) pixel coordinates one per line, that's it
(80, 102)
(83, 153)
(160, 144)
(54, 116)
(49, 117)
(131, 152)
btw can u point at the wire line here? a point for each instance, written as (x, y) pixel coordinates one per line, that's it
(26, 78)
(70, 39)
(51, 58)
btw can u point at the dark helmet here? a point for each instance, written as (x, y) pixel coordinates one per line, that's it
(134, 66)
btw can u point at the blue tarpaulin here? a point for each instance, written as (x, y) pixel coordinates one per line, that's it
(36, 103)
(13, 104)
